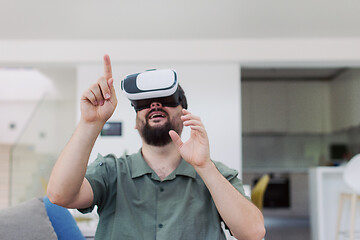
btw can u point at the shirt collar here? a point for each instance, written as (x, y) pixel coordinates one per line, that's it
(185, 169)
(139, 168)
(138, 165)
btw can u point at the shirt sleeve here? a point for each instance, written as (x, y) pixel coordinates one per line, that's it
(101, 175)
(232, 176)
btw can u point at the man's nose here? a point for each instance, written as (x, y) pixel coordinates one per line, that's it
(155, 105)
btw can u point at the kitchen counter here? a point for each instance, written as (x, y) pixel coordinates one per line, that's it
(275, 170)
(326, 184)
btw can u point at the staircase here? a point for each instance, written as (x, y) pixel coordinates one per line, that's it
(30, 173)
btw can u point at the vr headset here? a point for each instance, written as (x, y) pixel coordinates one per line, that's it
(150, 86)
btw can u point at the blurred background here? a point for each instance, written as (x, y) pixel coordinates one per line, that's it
(276, 84)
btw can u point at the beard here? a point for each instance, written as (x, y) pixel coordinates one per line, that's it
(159, 135)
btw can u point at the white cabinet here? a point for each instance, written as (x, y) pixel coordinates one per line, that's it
(309, 107)
(264, 107)
(286, 107)
(269, 112)
(345, 100)
(246, 106)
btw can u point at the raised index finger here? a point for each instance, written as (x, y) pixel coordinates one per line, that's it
(107, 67)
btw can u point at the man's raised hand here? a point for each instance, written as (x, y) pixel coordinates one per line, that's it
(99, 101)
(196, 149)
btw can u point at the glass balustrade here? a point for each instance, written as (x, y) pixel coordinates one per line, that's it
(37, 148)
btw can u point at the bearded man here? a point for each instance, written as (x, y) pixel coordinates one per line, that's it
(169, 189)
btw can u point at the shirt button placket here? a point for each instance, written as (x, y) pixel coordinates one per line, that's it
(160, 224)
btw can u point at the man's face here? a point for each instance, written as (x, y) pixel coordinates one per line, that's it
(154, 123)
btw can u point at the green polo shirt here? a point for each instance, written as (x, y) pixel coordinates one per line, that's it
(133, 203)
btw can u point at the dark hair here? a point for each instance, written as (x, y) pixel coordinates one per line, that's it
(182, 97)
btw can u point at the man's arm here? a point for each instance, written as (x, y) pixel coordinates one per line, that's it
(243, 218)
(68, 186)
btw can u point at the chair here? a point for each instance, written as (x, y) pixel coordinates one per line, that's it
(62, 221)
(38, 219)
(257, 193)
(351, 178)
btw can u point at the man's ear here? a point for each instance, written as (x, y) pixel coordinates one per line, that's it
(135, 127)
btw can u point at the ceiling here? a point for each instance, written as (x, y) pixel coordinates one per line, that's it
(185, 19)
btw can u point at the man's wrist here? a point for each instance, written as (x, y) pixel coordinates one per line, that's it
(91, 127)
(207, 167)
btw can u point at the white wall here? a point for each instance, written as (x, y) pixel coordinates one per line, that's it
(44, 124)
(60, 108)
(21, 89)
(213, 93)
(13, 113)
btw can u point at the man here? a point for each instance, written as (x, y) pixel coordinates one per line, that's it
(170, 189)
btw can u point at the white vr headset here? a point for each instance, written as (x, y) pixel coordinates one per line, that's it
(150, 86)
